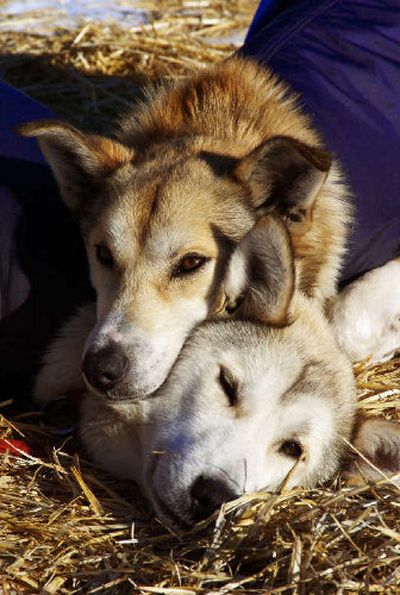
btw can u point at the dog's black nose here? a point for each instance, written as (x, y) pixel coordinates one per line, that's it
(105, 368)
(208, 494)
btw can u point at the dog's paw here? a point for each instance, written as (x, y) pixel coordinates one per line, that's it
(366, 315)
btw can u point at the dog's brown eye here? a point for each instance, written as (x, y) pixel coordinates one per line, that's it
(291, 448)
(188, 264)
(104, 256)
(229, 385)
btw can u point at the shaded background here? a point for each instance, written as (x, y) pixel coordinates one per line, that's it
(87, 59)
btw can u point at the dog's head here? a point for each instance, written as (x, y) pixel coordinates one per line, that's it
(159, 226)
(250, 405)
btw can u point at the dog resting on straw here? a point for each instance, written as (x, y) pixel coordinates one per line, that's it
(248, 405)
(170, 212)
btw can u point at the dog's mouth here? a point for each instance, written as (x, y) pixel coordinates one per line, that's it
(170, 518)
(114, 395)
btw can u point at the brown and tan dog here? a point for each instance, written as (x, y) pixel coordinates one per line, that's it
(162, 208)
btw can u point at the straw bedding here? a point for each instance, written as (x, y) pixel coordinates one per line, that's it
(65, 527)
(99, 68)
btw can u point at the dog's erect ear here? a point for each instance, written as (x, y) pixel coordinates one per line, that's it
(78, 160)
(378, 441)
(260, 279)
(284, 176)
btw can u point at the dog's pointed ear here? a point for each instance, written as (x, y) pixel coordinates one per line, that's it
(78, 160)
(378, 441)
(260, 279)
(284, 175)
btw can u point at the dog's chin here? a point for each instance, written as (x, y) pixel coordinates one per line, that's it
(175, 518)
(119, 395)
(172, 519)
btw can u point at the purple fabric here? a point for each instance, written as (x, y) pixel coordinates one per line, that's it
(43, 270)
(14, 285)
(16, 108)
(343, 57)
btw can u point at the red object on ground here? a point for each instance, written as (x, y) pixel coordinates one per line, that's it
(14, 446)
(60, 419)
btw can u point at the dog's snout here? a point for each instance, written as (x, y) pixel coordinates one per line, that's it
(208, 494)
(106, 367)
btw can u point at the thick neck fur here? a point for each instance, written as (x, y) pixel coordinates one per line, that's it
(236, 101)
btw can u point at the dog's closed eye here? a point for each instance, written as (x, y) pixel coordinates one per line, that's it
(229, 385)
(291, 448)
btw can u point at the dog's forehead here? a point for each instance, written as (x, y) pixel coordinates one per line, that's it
(261, 358)
(267, 362)
(184, 203)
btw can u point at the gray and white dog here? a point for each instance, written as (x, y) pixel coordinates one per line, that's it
(247, 403)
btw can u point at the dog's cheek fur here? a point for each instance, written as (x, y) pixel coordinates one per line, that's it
(110, 435)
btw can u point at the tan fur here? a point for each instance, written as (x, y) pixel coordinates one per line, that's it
(233, 108)
(111, 154)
